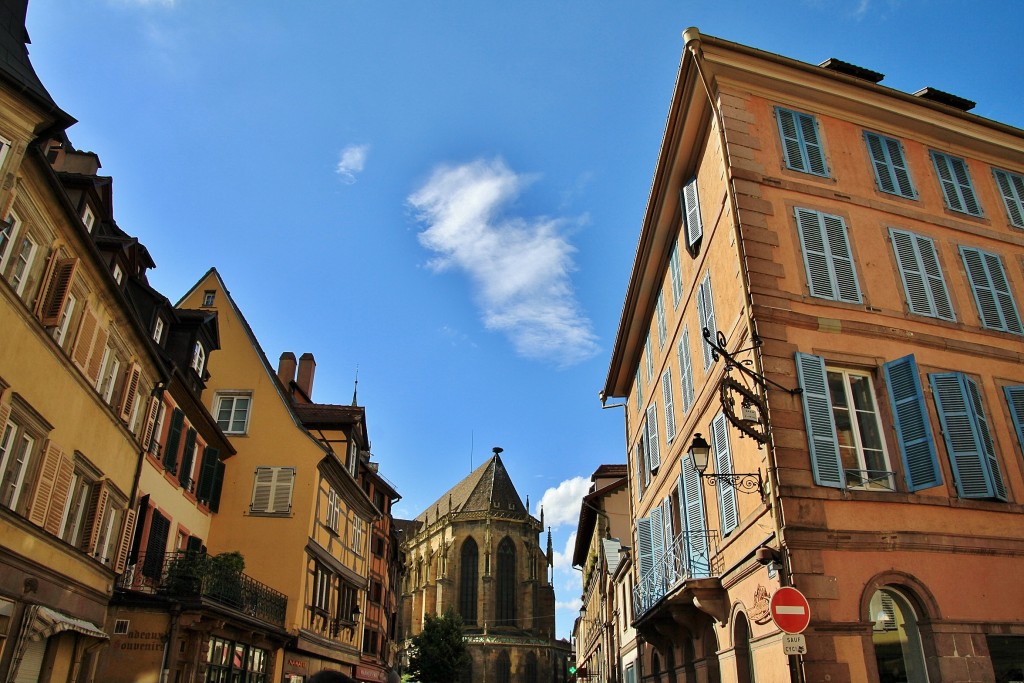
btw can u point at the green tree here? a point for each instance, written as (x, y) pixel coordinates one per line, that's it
(439, 652)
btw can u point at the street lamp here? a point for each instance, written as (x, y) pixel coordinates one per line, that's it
(700, 454)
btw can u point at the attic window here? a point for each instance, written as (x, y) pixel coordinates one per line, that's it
(842, 67)
(208, 297)
(118, 274)
(158, 330)
(950, 100)
(88, 218)
(199, 359)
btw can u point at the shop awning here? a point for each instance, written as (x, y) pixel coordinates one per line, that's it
(49, 622)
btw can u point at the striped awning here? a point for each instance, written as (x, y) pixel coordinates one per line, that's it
(50, 622)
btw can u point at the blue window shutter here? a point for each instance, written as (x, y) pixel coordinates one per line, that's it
(657, 542)
(827, 256)
(676, 274)
(645, 546)
(991, 288)
(891, 170)
(917, 446)
(956, 184)
(921, 273)
(728, 505)
(706, 314)
(685, 370)
(963, 438)
(639, 391)
(790, 134)
(1011, 186)
(1015, 399)
(691, 498)
(691, 214)
(988, 448)
(648, 358)
(653, 439)
(801, 143)
(670, 408)
(821, 428)
(662, 329)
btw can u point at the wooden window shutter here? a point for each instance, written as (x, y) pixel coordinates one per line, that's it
(97, 511)
(187, 459)
(5, 414)
(96, 354)
(262, 488)
(45, 483)
(820, 423)
(151, 413)
(131, 391)
(84, 340)
(173, 441)
(218, 484)
(156, 546)
(127, 534)
(61, 491)
(917, 446)
(51, 304)
(282, 500)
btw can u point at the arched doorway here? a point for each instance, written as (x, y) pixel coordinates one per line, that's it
(741, 646)
(896, 638)
(503, 668)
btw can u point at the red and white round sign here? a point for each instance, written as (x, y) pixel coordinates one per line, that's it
(790, 610)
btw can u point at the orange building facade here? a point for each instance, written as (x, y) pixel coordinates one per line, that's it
(826, 301)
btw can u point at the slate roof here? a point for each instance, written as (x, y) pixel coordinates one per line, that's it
(14, 62)
(488, 487)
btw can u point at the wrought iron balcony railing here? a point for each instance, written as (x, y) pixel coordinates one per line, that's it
(196, 575)
(871, 479)
(690, 556)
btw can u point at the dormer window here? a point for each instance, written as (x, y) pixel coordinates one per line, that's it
(118, 274)
(158, 330)
(199, 359)
(208, 297)
(88, 218)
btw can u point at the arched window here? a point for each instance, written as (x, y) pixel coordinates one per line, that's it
(896, 638)
(468, 568)
(531, 667)
(504, 668)
(505, 608)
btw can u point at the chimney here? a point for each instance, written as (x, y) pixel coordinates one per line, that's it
(307, 366)
(286, 368)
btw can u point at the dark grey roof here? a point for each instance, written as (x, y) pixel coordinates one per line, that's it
(15, 66)
(488, 487)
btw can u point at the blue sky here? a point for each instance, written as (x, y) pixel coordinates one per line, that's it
(443, 195)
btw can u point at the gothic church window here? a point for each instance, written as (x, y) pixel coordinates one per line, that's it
(468, 564)
(505, 613)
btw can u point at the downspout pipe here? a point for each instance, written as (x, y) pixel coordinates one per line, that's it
(692, 42)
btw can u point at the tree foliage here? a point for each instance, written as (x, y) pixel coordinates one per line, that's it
(439, 652)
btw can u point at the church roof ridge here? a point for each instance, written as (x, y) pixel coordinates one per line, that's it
(487, 487)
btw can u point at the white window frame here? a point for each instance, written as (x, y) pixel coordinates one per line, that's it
(855, 478)
(16, 445)
(358, 534)
(333, 509)
(60, 332)
(7, 237)
(88, 218)
(233, 397)
(198, 358)
(118, 274)
(23, 266)
(158, 330)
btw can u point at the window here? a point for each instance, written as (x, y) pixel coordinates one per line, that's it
(505, 587)
(208, 297)
(109, 373)
(233, 412)
(1015, 400)
(670, 410)
(118, 274)
(685, 370)
(158, 330)
(891, 171)
(333, 509)
(641, 465)
(648, 359)
(662, 331)
(83, 482)
(8, 228)
(691, 497)
(188, 460)
(469, 561)
(675, 274)
(1011, 186)
(88, 218)
(706, 315)
(322, 581)
(358, 535)
(60, 332)
(728, 504)
(199, 358)
(21, 266)
(653, 442)
(966, 433)
(956, 184)
(17, 450)
(991, 290)
(827, 256)
(211, 478)
(896, 637)
(692, 223)
(231, 661)
(923, 284)
(639, 391)
(272, 490)
(801, 145)
(844, 430)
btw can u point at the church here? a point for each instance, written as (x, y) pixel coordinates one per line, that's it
(477, 551)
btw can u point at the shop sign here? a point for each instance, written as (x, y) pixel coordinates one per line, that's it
(366, 673)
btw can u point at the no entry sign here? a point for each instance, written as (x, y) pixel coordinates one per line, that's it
(790, 610)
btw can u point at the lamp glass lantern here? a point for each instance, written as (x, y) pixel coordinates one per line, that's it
(700, 453)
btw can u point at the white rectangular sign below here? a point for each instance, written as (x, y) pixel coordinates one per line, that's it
(794, 644)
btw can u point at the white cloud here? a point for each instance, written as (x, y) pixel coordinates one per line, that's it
(520, 267)
(571, 605)
(351, 161)
(562, 503)
(563, 559)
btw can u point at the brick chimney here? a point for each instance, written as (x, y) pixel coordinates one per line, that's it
(286, 368)
(307, 366)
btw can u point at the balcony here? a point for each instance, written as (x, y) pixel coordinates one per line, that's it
(689, 558)
(198, 577)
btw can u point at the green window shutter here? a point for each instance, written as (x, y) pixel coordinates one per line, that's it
(670, 409)
(1011, 187)
(921, 273)
(728, 505)
(686, 370)
(706, 314)
(917, 446)
(690, 203)
(890, 166)
(821, 428)
(965, 431)
(653, 439)
(1015, 399)
(956, 184)
(173, 441)
(991, 288)
(801, 143)
(828, 258)
(691, 499)
(218, 485)
(207, 473)
(187, 457)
